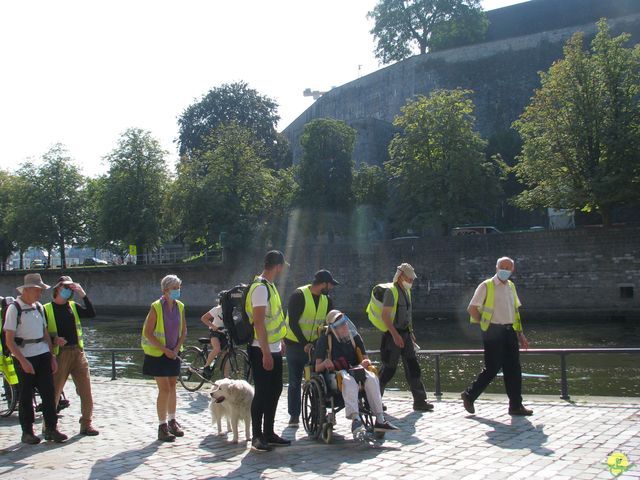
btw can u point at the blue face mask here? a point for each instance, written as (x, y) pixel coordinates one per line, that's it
(66, 293)
(174, 294)
(504, 275)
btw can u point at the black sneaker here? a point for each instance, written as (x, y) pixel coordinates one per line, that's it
(52, 434)
(467, 402)
(258, 444)
(207, 372)
(422, 406)
(30, 438)
(294, 421)
(277, 441)
(384, 426)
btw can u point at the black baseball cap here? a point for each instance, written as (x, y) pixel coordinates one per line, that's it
(273, 258)
(324, 276)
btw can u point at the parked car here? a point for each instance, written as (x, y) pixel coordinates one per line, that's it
(474, 230)
(37, 263)
(90, 261)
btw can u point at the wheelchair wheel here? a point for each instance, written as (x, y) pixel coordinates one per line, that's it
(191, 368)
(313, 409)
(8, 397)
(327, 432)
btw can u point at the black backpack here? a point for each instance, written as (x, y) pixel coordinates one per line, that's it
(234, 314)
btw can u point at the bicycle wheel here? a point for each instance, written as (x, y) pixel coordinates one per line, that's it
(236, 366)
(191, 365)
(8, 398)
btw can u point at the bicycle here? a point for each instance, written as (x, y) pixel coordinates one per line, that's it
(231, 362)
(9, 399)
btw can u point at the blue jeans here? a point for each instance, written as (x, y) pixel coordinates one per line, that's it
(296, 360)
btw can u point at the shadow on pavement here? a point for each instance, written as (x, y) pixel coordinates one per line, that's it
(518, 434)
(21, 451)
(198, 401)
(123, 462)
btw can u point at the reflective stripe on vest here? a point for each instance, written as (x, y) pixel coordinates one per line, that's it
(273, 315)
(374, 309)
(52, 326)
(158, 332)
(311, 317)
(486, 310)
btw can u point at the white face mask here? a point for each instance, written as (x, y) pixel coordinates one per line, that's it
(407, 285)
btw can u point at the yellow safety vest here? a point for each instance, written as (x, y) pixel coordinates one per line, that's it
(374, 309)
(273, 315)
(486, 310)
(311, 317)
(150, 349)
(52, 326)
(7, 367)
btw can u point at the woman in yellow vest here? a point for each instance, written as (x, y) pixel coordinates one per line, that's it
(163, 334)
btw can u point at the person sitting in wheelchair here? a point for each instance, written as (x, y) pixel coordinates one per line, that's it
(341, 350)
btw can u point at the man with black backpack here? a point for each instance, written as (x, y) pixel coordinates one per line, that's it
(29, 341)
(390, 310)
(264, 310)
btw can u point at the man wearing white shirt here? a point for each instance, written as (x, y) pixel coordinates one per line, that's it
(264, 309)
(495, 306)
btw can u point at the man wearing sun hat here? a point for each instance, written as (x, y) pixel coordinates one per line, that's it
(63, 322)
(390, 310)
(29, 341)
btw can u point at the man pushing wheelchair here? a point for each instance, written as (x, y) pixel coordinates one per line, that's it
(341, 350)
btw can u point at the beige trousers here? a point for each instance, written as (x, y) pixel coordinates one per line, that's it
(72, 361)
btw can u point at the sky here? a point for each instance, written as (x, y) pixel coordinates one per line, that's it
(81, 72)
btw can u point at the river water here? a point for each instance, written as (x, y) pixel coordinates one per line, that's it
(612, 375)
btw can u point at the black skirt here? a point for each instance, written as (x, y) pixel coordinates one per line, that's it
(161, 366)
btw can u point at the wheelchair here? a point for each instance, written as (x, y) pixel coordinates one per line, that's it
(322, 400)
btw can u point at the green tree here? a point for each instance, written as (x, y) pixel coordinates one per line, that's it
(581, 130)
(133, 193)
(233, 102)
(401, 25)
(7, 244)
(370, 187)
(326, 167)
(225, 188)
(61, 196)
(439, 173)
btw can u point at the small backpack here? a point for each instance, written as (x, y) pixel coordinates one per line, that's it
(234, 314)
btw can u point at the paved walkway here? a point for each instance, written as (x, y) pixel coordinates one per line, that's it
(561, 441)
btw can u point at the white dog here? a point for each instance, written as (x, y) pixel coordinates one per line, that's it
(231, 399)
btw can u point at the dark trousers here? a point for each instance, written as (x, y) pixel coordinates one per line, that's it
(42, 379)
(268, 387)
(296, 360)
(501, 351)
(391, 354)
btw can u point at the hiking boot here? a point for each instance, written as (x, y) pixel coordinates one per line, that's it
(88, 430)
(422, 406)
(385, 426)
(467, 402)
(277, 441)
(164, 435)
(258, 444)
(520, 411)
(174, 428)
(294, 421)
(29, 438)
(53, 434)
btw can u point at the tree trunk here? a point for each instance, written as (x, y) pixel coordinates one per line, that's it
(49, 255)
(140, 256)
(63, 258)
(607, 218)
(21, 259)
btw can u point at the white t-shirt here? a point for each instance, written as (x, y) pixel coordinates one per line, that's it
(260, 298)
(216, 314)
(32, 326)
(504, 304)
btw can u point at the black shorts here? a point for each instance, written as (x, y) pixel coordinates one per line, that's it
(161, 366)
(221, 336)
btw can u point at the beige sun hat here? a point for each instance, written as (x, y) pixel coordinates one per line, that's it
(33, 280)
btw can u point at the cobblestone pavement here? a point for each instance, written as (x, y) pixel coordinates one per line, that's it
(561, 441)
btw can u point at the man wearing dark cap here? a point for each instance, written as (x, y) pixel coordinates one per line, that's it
(63, 322)
(308, 307)
(264, 309)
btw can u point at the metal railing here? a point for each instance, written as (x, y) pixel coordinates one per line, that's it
(563, 353)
